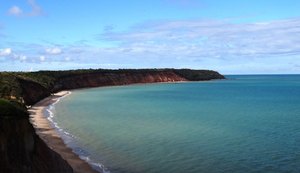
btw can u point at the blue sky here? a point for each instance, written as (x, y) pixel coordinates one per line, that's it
(232, 37)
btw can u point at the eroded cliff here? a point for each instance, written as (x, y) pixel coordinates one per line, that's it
(115, 78)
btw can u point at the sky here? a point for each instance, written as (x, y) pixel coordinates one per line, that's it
(229, 36)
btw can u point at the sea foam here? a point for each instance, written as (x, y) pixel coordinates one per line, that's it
(70, 139)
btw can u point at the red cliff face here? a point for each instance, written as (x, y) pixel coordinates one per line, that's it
(107, 79)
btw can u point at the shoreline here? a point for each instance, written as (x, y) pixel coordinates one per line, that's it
(45, 130)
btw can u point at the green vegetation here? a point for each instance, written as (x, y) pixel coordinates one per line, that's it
(9, 86)
(198, 75)
(11, 89)
(12, 109)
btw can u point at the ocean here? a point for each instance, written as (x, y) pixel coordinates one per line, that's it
(245, 124)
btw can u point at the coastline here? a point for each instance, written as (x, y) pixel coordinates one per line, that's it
(47, 131)
(51, 137)
(32, 89)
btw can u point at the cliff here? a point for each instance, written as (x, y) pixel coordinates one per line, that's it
(115, 78)
(21, 149)
(29, 88)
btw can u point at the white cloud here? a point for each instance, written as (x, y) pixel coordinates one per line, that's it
(269, 47)
(5, 52)
(53, 51)
(42, 58)
(18, 57)
(67, 58)
(212, 38)
(23, 58)
(15, 11)
(36, 10)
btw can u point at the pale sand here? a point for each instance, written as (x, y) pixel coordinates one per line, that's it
(47, 133)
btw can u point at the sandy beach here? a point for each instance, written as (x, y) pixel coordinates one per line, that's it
(47, 133)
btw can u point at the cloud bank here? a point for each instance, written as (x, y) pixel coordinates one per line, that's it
(269, 47)
(210, 38)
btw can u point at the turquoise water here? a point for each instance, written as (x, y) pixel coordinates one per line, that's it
(246, 124)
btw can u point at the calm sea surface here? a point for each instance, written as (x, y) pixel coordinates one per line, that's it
(246, 124)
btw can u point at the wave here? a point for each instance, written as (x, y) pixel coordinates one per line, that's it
(70, 139)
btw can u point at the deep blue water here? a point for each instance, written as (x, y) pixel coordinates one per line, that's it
(246, 124)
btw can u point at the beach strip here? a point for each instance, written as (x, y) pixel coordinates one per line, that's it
(51, 137)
